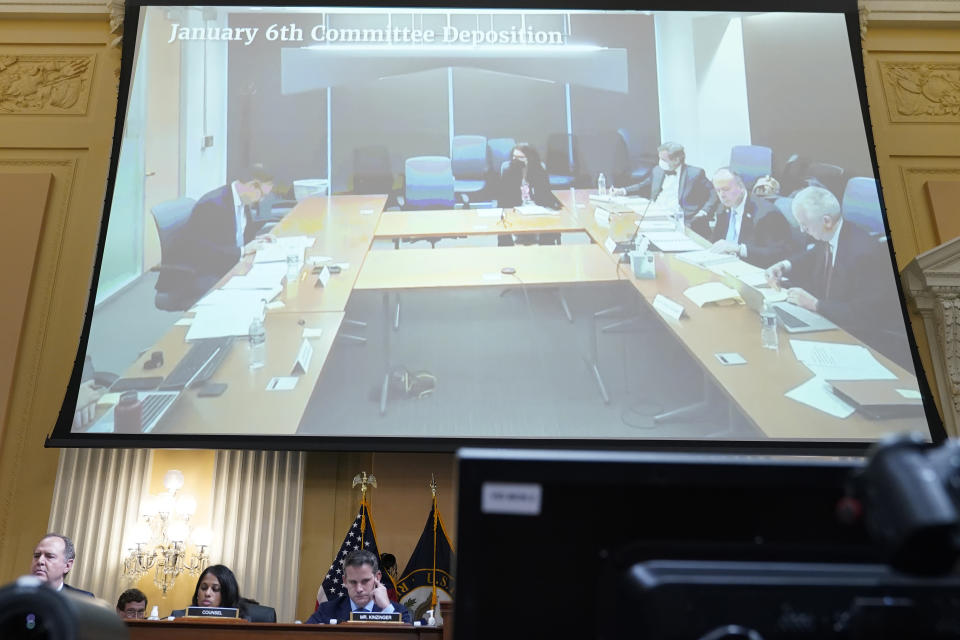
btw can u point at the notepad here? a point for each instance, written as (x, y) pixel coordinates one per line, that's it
(711, 292)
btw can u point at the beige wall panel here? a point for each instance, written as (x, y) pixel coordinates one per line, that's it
(75, 149)
(26, 196)
(944, 200)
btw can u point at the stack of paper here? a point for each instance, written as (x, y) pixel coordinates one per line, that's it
(219, 321)
(672, 241)
(706, 258)
(708, 292)
(742, 271)
(832, 361)
(266, 275)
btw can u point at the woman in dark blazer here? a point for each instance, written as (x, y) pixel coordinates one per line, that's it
(525, 181)
(216, 587)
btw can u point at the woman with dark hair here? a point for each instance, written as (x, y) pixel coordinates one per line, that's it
(216, 587)
(524, 181)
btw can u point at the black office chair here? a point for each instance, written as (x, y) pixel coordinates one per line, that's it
(562, 160)
(177, 287)
(257, 612)
(829, 175)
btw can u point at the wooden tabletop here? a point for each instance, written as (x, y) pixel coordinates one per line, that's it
(757, 387)
(199, 629)
(246, 407)
(483, 266)
(422, 224)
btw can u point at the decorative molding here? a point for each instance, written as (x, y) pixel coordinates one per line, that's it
(116, 10)
(85, 7)
(45, 84)
(927, 92)
(932, 280)
(938, 13)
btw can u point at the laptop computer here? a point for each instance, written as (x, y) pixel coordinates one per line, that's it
(154, 405)
(794, 318)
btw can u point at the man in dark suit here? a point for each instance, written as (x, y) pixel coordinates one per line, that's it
(747, 226)
(52, 560)
(222, 225)
(365, 592)
(674, 183)
(845, 275)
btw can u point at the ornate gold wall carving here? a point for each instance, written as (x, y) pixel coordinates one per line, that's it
(922, 92)
(45, 84)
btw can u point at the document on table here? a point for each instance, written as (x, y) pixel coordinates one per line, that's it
(742, 271)
(221, 321)
(706, 258)
(489, 213)
(707, 292)
(238, 297)
(672, 241)
(261, 276)
(657, 225)
(817, 393)
(279, 249)
(536, 210)
(832, 361)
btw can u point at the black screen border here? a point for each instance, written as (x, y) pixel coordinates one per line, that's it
(61, 435)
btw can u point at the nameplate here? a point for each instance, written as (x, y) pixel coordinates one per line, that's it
(668, 307)
(323, 277)
(303, 358)
(374, 616)
(213, 612)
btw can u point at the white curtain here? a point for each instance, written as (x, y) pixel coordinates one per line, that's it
(96, 500)
(257, 511)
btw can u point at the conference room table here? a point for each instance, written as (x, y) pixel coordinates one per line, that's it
(342, 228)
(757, 388)
(346, 231)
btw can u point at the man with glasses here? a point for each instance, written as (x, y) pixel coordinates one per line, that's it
(222, 228)
(132, 604)
(844, 274)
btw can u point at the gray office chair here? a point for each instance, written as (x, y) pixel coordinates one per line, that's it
(176, 286)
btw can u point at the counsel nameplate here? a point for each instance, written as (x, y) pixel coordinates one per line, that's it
(213, 612)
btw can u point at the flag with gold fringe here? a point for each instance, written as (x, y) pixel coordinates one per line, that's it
(360, 535)
(428, 576)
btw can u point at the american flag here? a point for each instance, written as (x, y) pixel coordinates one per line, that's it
(360, 535)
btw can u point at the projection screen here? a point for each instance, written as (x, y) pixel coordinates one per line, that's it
(421, 227)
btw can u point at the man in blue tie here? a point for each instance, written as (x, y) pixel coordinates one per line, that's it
(748, 226)
(365, 592)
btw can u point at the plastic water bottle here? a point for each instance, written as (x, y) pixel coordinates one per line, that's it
(768, 328)
(431, 621)
(154, 613)
(258, 343)
(678, 221)
(602, 185)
